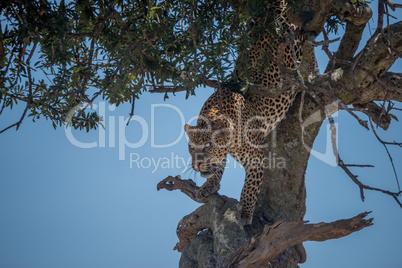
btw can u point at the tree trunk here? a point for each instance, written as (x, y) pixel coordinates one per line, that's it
(283, 192)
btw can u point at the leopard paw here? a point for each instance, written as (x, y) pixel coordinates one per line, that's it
(206, 190)
(246, 217)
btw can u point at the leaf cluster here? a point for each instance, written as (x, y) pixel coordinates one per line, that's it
(55, 56)
(58, 55)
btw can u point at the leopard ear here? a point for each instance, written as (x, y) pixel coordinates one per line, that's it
(187, 129)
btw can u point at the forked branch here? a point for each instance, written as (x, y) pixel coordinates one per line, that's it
(176, 183)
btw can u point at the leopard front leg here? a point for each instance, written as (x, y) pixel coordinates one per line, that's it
(249, 192)
(212, 184)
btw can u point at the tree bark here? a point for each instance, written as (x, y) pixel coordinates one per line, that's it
(261, 249)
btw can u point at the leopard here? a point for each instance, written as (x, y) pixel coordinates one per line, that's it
(237, 124)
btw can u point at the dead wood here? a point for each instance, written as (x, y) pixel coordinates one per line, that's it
(261, 249)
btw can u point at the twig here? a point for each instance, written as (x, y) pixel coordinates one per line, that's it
(386, 149)
(341, 104)
(372, 110)
(365, 187)
(331, 57)
(325, 42)
(29, 98)
(355, 165)
(132, 109)
(392, 5)
(383, 105)
(10, 126)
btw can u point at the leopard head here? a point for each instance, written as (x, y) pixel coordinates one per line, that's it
(208, 145)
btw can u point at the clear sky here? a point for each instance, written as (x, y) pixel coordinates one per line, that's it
(62, 205)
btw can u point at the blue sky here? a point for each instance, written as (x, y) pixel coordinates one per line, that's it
(66, 206)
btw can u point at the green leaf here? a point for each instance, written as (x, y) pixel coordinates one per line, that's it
(394, 117)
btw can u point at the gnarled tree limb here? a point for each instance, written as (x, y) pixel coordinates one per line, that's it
(356, 16)
(219, 214)
(176, 183)
(274, 239)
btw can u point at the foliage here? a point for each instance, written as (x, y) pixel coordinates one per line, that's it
(333, 23)
(55, 56)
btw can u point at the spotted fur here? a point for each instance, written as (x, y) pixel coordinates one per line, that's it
(234, 124)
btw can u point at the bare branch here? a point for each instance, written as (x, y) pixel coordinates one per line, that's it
(342, 105)
(176, 183)
(353, 79)
(363, 187)
(355, 165)
(261, 249)
(392, 5)
(389, 155)
(132, 109)
(372, 110)
(356, 15)
(345, 168)
(10, 126)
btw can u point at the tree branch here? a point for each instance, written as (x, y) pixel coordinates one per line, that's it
(377, 92)
(377, 57)
(220, 214)
(274, 239)
(356, 16)
(373, 111)
(187, 187)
